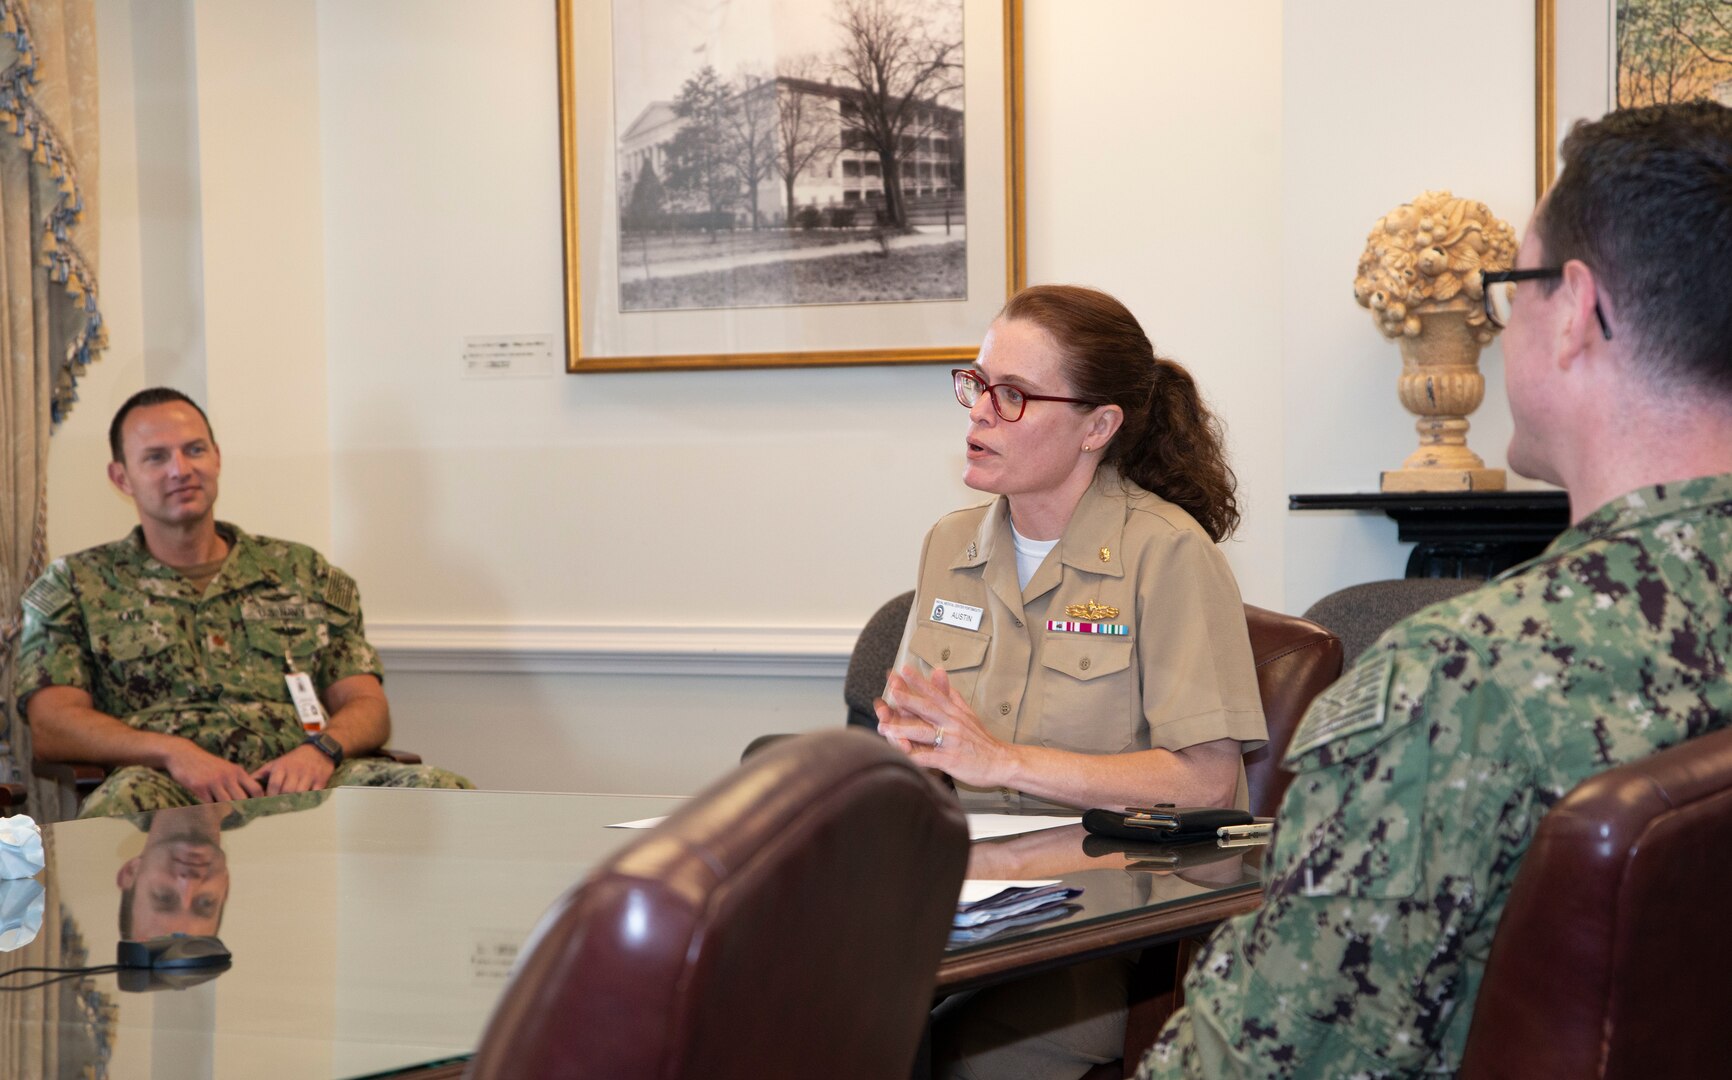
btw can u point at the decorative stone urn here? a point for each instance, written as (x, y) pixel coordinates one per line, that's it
(1420, 276)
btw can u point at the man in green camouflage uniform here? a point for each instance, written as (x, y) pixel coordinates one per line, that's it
(1422, 774)
(168, 653)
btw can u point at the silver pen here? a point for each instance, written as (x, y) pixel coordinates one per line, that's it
(1256, 831)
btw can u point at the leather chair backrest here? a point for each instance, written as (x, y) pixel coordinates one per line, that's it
(788, 921)
(1359, 614)
(1296, 660)
(1613, 953)
(869, 663)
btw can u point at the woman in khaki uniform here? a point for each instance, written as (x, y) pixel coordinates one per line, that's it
(1079, 640)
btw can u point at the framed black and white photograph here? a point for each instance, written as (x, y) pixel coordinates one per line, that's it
(1593, 56)
(754, 183)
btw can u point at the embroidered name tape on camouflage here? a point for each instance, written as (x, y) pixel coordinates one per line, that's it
(274, 609)
(1353, 704)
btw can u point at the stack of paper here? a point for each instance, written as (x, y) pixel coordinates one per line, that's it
(992, 907)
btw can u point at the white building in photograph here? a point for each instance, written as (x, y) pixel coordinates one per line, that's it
(843, 172)
(645, 143)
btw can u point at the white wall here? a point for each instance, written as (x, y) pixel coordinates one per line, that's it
(1154, 172)
(1217, 166)
(264, 280)
(212, 267)
(1365, 131)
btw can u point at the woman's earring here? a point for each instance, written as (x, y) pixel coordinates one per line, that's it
(1086, 448)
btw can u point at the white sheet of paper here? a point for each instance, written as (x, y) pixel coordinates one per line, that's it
(641, 823)
(980, 888)
(980, 826)
(987, 826)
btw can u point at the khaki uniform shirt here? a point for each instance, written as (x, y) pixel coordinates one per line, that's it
(1180, 675)
(129, 630)
(1422, 775)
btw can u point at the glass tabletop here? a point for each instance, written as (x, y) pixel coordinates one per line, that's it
(372, 930)
(1132, 894)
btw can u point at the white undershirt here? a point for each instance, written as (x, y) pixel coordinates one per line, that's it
(1029, 555)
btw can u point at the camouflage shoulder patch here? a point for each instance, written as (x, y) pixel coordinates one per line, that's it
(1353, 704)
(47, 597)
(340, 591)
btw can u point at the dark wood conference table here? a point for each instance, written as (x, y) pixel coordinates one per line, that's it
(373, 929)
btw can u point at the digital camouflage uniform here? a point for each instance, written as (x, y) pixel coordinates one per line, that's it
(129, 630)
(243, 811)
(1422, 774)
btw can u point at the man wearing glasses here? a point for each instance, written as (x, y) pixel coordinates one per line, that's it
(1422, 774)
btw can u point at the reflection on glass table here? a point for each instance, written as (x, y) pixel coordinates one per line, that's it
(1133, 895)
(373, 929)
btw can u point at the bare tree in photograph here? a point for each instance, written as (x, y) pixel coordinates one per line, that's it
(648, 200)
(750, 121)
(700, 167)
(802, 130)
(1672, 50)
(898, 67)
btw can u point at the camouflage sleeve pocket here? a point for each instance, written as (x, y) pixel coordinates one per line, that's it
(1353, 815)
(1369, 844)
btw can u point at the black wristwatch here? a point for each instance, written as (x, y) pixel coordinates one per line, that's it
(328, 746)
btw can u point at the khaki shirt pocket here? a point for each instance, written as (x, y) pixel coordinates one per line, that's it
(1086, 687)
(959, 652)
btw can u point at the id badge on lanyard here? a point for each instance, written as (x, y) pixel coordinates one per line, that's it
(306, 698)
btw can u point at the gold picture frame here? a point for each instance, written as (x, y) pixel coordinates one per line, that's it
(1545, 95)
(1577, 66)
(604, 334)
(1575, 55)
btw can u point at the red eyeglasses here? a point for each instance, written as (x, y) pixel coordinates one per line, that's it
(1007, 401)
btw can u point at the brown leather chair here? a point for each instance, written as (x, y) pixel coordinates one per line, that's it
(1612, 957)
(788, 921)
(1296, 660)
